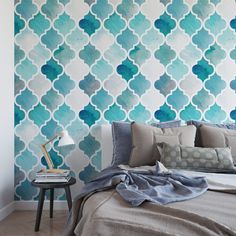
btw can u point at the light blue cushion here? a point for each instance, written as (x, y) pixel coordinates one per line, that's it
(122, 139)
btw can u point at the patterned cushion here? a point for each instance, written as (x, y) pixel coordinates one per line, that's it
(122, 139)
(196, 158)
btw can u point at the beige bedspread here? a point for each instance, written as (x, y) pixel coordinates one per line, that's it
(106, 213)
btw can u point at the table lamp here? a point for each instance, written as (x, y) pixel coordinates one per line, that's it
(64, 140)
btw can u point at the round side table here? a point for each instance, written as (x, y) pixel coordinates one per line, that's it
(46, 186)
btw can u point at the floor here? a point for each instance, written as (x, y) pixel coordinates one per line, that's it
(21, 223)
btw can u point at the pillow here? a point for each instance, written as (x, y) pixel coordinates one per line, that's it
(144, 138)
(198, 141)
(197, 158)
(218, 137)
(122, 139)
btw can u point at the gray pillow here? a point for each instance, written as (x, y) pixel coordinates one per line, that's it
(122, 139)
(196, 158)
(198, 140)
(145, 137)
(218, 137)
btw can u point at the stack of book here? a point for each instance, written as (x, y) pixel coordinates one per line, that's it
(47, 176)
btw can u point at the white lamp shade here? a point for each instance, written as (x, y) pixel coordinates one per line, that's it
(65, 139)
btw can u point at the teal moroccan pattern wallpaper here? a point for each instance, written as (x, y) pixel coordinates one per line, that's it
(83, 63)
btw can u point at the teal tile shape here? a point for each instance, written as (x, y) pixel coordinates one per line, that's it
(64, 24)
(25, 191)
(19, 175)
(64, 54)
(64, 2)
(51, 39)
(177, 9)
(165, 84)
(89, 115)
(190, 24)
(26, 9)
(35, 145)
(56, 159)
(77, 39)
(127, 9)
(127, 99)
(89, 2)
(203, 39)
(88, 173)
(190, 54)
(102, 9)
(165, 24)
(51, 69)
(165, 2)
(39, 24)
(202, 69)
(233, 54)
(177, 99)
(177, 69)
(190, 112)
(19, 84)
(215, 54)
(77, 130)
(215, 2)
(39, 115)
(64, 115)
(114, 24)
(115, 54)
(89, 84)
(139, 2)
(39, 54)
(89, 24)
(165, 113)
(233, 115)
(233, 24)
(140, 24)
(19, 54)
(127, 69)
(127, 39)
(165, 54)
(26, 99)
(139, 54)
(102, 99)
(140, 114)
(19, 24)
(102, 69)
(64, 84)
(89, 54)
(89, 145)
(26, 160)
(203, 9)
(203, 99)
(233, 84)
(215, 24)
(140, 84)
(51, 128)
(152, 39)
(215, 114)
(114, 113)
(19, 145)
(52, 8)
(52, 100)
(96, 160)
(19, 115)
(215, 84)
(227, 39)
(26, 69)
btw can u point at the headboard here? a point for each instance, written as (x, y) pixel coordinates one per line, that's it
(107, 145)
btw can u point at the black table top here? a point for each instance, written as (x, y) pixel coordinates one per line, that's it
(54, 185)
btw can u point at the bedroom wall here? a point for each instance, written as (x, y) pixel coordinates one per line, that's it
(80, 64)
(6, 108)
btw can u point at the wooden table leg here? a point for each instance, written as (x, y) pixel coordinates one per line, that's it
(51, 202)
(40, 208)
(68, 197)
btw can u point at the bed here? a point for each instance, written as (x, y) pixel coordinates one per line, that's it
(106, 213)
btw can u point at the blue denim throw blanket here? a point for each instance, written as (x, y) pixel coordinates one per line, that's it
(135, 187)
